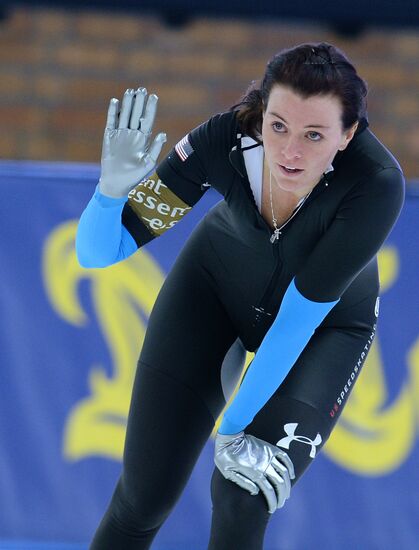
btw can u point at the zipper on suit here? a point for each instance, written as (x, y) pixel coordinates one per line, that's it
(260, 308)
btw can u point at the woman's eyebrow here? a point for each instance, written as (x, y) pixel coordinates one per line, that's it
(309, 126)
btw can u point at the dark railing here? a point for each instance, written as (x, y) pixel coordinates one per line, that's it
(348, 16)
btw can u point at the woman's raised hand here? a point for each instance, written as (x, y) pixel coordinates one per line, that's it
(128, 153)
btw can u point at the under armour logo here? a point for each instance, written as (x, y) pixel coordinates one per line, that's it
(290, 431)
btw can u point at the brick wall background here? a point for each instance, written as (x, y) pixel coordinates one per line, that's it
(59, 69)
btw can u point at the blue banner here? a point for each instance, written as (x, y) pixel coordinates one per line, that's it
(69, 343)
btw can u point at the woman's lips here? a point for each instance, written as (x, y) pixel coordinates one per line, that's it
(287, 173)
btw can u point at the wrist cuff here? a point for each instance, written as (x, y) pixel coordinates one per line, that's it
(228, 428)
(108, 202)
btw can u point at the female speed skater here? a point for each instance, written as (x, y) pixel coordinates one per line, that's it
(285, 265)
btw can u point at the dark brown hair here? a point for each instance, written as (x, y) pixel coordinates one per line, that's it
(308, 69)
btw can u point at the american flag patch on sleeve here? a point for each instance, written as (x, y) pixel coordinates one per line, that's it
(184, 149)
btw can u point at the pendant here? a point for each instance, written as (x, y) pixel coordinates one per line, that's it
(275, 235)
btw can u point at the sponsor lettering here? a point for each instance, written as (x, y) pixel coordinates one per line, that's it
(347, 387)
(152, 196)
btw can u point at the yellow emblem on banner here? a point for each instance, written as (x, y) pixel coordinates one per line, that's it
(122, 296)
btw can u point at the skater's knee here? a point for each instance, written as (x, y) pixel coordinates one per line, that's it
(233, 502)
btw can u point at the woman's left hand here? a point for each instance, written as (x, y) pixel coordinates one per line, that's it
(255, 465)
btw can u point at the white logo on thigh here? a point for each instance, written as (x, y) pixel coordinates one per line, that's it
(290, 431)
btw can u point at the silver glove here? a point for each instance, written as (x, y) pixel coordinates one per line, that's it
(255, 465)
(127, 155)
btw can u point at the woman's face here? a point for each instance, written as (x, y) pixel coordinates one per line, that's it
(302, 133)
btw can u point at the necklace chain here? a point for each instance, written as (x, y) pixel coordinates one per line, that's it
(276, 233)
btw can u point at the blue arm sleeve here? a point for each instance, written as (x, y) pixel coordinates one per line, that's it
(293, 327)
(101, 239)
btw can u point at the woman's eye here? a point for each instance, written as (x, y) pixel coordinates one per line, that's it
(276, 124)
(315, 134)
